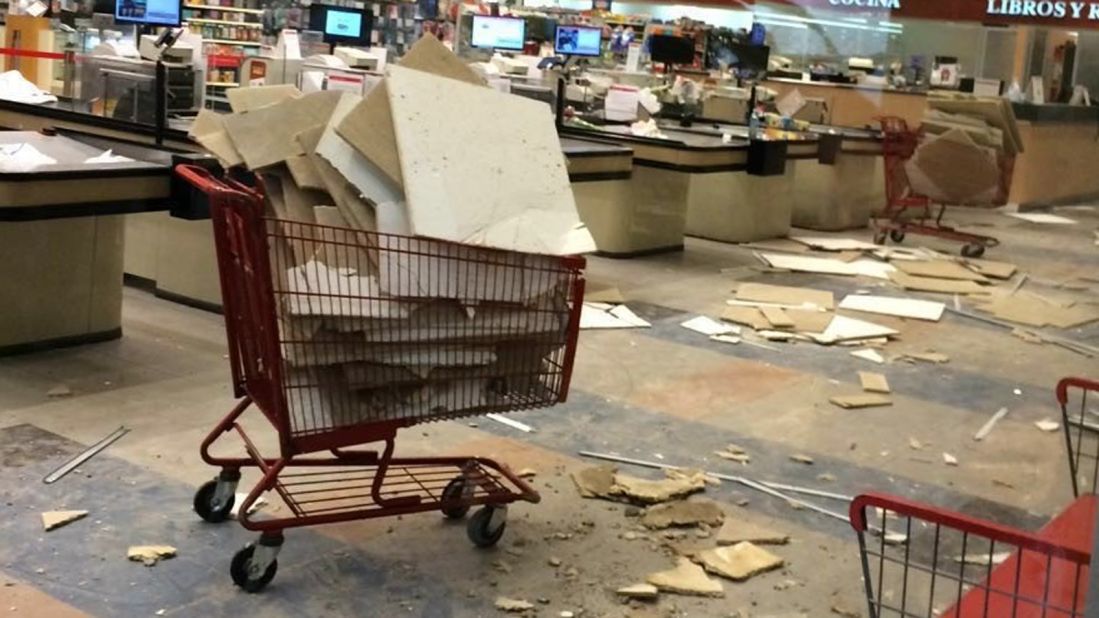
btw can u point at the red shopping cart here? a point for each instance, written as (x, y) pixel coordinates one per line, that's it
(950, 565)
(342, 337)
(906, 211)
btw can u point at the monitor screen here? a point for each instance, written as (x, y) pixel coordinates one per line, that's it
(344, 24)
(669, 49)
(577, 41)
(340, 24)
(498, 32)
(152, 12)
(749, 59)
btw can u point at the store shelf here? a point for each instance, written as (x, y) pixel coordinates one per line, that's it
(247, 24)
(212, 7)
(223, 84)
(225, 42)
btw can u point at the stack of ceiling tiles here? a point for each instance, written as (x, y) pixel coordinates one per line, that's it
(392, 323)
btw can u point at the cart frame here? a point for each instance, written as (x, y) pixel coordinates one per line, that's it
(898, 145)
(344, 484)
(1012, 572)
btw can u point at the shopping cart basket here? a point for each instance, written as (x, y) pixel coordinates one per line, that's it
(341, 337)
(951, 565)
(1081, 424)
(906, 211)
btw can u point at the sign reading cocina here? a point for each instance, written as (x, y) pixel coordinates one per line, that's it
(868, 4)
(1058, 9)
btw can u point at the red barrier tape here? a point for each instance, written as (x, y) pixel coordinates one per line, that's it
(31, 53)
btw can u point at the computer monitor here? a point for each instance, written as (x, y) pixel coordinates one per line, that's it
(749, 60)
(577, 41)
(149, 12)
(340, 24)
(509, 33)
(668, 49)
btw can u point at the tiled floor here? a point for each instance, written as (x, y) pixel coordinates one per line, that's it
(659, 394)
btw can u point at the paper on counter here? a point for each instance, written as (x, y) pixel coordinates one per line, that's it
(621, 103)
(22, 157)
(15, 87)
(108, 157)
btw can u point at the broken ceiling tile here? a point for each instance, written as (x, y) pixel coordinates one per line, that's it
(51, 520)
(739, 562)
(683, 513)
(735, 531)
(687, 578)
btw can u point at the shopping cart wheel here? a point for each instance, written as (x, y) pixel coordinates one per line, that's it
(897, 235)
(973, 250)
(879, 237)
(247, 577)
(487, 525)
(212, 507)
(454, 505)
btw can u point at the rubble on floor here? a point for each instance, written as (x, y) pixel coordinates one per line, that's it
(736, 530)
(686, 578)
(683, 513)
(52, 520)
(604, 481)
(506, 604)
(766, 308)
(644, 592)
(862, 400)
(645, 491)
(149, 555)
(739, 562)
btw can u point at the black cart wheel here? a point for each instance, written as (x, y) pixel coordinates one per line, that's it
(239, 570)
(480, 529)
(973, 250)
(204, 503)
(879, 238)
(897, 236)
(452, 504)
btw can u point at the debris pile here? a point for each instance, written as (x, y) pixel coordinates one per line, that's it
(731, 553)
(377, 317)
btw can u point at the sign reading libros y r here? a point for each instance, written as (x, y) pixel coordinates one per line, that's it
(1044, 8)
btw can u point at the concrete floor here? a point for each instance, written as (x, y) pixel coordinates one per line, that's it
(663, 393)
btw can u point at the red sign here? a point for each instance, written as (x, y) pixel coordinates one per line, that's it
(1056, 13)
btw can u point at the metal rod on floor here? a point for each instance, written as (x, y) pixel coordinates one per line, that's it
(87, 454)
(1068, 344)
(747, 482)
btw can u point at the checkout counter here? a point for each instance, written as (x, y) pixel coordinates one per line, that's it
(699, 184)
(1058, 145)
(62, 227)
(838, 174)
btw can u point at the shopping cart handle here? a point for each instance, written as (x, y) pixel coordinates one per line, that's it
(1065, 383)
(197, 176)
(962, 522)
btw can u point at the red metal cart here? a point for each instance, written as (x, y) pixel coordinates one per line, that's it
(951, 565)
(341, 337)
(906, 211)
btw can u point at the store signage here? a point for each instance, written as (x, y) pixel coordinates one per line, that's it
(869, 4)
(1058, 9)
(1056, 13)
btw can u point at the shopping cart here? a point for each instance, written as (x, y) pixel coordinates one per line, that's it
(335, 359)
(950, 565)
(906, 211)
